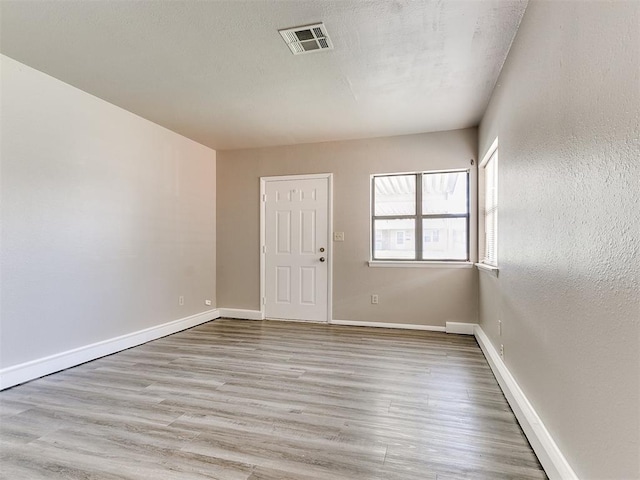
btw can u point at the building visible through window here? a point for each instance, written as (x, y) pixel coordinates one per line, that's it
(421, 216)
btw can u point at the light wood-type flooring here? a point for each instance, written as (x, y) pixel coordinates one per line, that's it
(248, 400)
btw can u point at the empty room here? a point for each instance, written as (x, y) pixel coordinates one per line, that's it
(320, 240)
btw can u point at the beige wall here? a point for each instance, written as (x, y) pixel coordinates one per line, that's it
(566, 113)
(106, 220)
(407, 295)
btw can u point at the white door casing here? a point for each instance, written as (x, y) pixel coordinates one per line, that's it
(296, 253)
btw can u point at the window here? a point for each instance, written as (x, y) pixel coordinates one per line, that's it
(431, 236)
(420, 216)
(490, 213)
(378, 240)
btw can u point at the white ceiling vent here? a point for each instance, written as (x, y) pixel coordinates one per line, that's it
(307, 39)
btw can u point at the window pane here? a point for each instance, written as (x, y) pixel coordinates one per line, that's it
(395, 195)
(444, 192)
(394, 239)
(444, 239)
(491, 210)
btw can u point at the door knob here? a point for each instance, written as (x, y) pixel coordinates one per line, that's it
(322, 259)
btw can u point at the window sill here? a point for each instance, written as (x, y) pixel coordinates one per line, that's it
(489, 269)
(415, 264)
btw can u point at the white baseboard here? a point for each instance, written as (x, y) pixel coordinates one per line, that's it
(460, 328)
(241, 314)
(295, 320)
(404, 326)
(550, 456)
(33, 369)
(451, 327)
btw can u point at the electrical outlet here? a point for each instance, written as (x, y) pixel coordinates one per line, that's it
(374, 299)
(207, 302)
(338, 236)
(500, 327)
(502, 351)
(181, 300)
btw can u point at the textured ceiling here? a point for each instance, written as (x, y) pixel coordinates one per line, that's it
(218, 71)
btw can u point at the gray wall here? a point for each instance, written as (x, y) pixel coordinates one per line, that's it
(407, 295)
(106, 220)
(566, 113)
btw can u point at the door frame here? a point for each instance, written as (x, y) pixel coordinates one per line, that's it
(263, 211)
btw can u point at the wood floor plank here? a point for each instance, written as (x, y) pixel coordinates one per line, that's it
(251, 400)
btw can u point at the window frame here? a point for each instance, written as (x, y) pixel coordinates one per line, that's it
(418, 217)
(491, 156)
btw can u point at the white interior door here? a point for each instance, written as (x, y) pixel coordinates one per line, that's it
(296, 249)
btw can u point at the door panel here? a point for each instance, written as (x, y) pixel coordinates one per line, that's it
(283, 285)
(308, 232)
(283, 231)
(308, 285)
(296, 280)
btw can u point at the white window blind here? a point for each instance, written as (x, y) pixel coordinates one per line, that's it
(491, 210)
